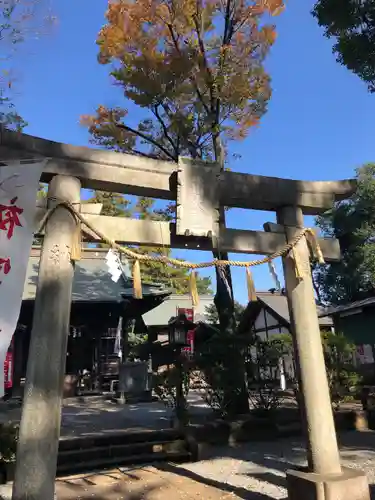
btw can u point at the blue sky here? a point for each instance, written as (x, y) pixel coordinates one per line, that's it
(319, 125)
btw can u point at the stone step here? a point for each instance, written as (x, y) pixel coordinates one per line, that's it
(101, 463)
(123, 437)
(121, 451)
(106, 450)
(102, 450)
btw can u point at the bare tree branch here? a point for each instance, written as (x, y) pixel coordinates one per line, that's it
(146, 138)
(165, 129)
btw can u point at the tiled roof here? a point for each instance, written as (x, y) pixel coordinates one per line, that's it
(162, 313)
(330, 311)
(278, 303)
(92, 282)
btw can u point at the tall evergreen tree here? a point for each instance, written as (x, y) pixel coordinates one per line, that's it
(352, 222)
(213, 317)
(351, 23)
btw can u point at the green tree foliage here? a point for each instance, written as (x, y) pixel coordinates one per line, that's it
(343, 378)
(177, 279)
(352, 222)
(113, 204)
(8, 441)
(263, 371)
(352, 24)
(221, 367)
(213, 316)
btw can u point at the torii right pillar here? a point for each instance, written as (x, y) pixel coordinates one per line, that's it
(324, 479)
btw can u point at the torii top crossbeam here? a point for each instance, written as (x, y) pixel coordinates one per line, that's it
(130, 174)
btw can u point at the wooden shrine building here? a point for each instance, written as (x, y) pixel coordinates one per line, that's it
(97, 305)
(269, 315)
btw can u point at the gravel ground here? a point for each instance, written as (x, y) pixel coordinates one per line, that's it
(253, 471)
(256, 471)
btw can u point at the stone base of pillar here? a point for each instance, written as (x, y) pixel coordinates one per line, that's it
(350, 485)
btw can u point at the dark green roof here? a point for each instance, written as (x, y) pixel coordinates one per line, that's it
(92, 282)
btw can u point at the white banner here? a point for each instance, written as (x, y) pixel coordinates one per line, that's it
(19, 182)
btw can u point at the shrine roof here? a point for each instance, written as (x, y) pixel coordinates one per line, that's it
(277, 305)
(92, 282)
(359, 304)
(160, 315)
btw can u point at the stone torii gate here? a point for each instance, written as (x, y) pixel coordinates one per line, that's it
(199, 190)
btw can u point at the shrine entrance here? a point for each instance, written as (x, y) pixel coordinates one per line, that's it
(200, 191)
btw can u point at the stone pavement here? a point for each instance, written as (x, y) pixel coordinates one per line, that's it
(82, 416)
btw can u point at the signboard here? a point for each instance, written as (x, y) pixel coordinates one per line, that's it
(364, 354)
(189, 313)
(134, 378)
(197, 198)
(19, 182)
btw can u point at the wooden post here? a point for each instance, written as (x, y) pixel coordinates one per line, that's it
(322, 442)
(180, 398)
(41, 413)
(18, 356)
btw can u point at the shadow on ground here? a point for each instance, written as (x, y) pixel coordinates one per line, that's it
(261, 466)
(225, 487)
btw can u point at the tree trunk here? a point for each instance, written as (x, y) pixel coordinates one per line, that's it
(236, 402)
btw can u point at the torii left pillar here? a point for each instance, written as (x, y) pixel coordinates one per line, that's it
(38, 444)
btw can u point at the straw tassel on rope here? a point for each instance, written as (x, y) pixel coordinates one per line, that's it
(314, 244)
(193, 288)
(137, 281)
(75, 253)
(297, 264)
(250, 286)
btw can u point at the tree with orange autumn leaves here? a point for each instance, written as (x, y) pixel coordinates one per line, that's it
(195, 69)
